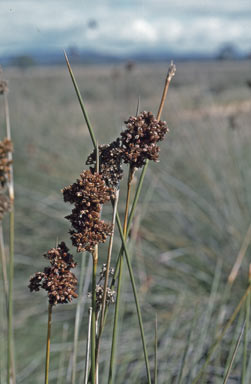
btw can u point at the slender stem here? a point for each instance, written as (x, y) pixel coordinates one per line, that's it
(108, 262)
(11, 364)
(11, 370)
(93, 326)
(47, 361)
(244, 247)
(220, 337)
(94, 142)
(156, 352)
(96, 362)
(88, 346)
(116, 313)
(77, 322)
(245, 344)
(234, 355)
(4, 267)
(135, 298)
(169, 76)
(62, 358)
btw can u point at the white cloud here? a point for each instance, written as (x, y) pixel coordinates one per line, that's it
(184, 25)
(142, 30)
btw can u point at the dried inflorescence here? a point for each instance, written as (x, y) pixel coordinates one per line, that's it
(4, 205)
(139, 140)
(110, 162)
(57, 280)
(88, 194)
(3, 87)
(6, 147)
(110, 294)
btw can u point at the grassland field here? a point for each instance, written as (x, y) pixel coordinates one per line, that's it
(193, 216)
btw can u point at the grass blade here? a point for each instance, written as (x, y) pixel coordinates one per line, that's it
(185, 354)
(156, 352)
(77, 321)
(220, 337)
(11, 358)
(245, 344)
(135, 298)
(234, 354)
(81, 102)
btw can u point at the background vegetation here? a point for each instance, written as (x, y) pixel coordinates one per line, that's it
(190, 225)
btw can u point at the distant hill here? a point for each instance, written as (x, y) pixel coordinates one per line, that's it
(97, 57)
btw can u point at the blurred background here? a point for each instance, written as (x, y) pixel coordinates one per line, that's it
(193, 219)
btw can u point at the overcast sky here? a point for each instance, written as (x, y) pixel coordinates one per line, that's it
(120, 26)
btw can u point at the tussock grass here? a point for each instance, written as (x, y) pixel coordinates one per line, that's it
(200, 206)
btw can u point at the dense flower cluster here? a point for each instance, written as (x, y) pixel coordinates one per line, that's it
(110, 162)
(140, 138)
(5, 148)
(4, 205)
(88, 194)
(57, 280)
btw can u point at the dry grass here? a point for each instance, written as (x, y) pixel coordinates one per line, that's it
(199, 199)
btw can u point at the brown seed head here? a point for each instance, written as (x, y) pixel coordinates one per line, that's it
(110, 161)
(4, 205)
(88, 194)
(140, 138)
(6, 146)
(57, 280)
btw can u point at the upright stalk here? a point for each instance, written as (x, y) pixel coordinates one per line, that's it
(135, 298)
(4, 267)
(11, 364)
(93, 326)
(48, 344)
(245, 344)
(88, 346)
(77, 322)
(108, 263)
(116, 314)
(169, 76)
(156, 352)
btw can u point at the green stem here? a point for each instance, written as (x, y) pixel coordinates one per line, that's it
(10, 305)
(108, 262)
(233, 356)
(4, 268)
(81, 102)
(93, 326)
(135, 298)
(116, 313)
(48, 344)
(77, 322)
(156, 351)
(245, 344)
(170, 75)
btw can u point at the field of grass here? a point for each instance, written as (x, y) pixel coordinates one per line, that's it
(190, 225)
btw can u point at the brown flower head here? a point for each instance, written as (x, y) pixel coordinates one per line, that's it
(140, 138)
(110, 161)
(3, 87)
(88, 194)
(88, 230)
(4, 205)
(5, 148)
(57, 280)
